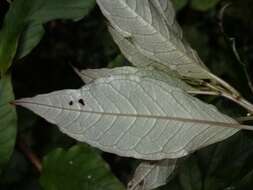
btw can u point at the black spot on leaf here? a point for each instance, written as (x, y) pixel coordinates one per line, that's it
(81, 102)
(71, 103)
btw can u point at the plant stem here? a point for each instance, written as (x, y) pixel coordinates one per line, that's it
(225, 85)
(245, 119)
(30, 155)
(211, 93)
(239, 100)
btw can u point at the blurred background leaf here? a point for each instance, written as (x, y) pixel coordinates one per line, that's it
(179, 4)
(23, 24)
(77, 168)
(203, 5)
(8, 121)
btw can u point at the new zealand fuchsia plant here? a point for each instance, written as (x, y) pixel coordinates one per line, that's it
(147, 111)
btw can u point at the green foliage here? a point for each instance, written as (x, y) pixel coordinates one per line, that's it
(179, 4)
(78, 168)
(190, 176)
(8, 121)
(203, 5)
(24, 20)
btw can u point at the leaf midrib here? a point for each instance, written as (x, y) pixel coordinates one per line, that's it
(179, 119)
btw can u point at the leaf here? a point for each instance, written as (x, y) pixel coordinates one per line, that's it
(30, 39)
(134, 117)
(23, 23)
(77, 168)
(8, 121)
(228, 166)
(190, 175)
(89, 75)
(179, 4)
(150, 27)
(131, 52)
(203, 5)
(150, 175)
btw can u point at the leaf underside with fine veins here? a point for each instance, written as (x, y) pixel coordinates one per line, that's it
(152, 175)
(89, 75)
(150, 27)
(131, 52)
(133, 117)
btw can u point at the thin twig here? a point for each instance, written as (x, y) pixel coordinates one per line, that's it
(199, 92)
(30, 155)
(243, 64)
(244, 119)
(232, 41)
(225, 85)
(239, 100)
(221, 16)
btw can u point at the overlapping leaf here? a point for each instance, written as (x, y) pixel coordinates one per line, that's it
(23, 24)
(134, 117)
(150, 27)
(89, 75)
(8, 121)
(78, 168)
(152, 175)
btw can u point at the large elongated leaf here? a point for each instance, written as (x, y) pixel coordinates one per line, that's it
(134, 116)
(78, 168)
(150, 26)
(89, 75)
(152, 175)
(23, 23)
(8, 121)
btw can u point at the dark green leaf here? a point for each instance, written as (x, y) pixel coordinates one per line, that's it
(24, 22)
(77, 168)
(190, 175)
(179, 4)
(228, 163)
(8, 121)
(203, 5)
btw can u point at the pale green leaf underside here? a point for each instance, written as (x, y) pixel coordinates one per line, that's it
(152, 175)
(89, 75)
(132, 53)
(150, 26)
(133, 117)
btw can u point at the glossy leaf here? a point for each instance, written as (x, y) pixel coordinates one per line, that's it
(77, 168)
(150, 27)
(134, 117)
(8, 121)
